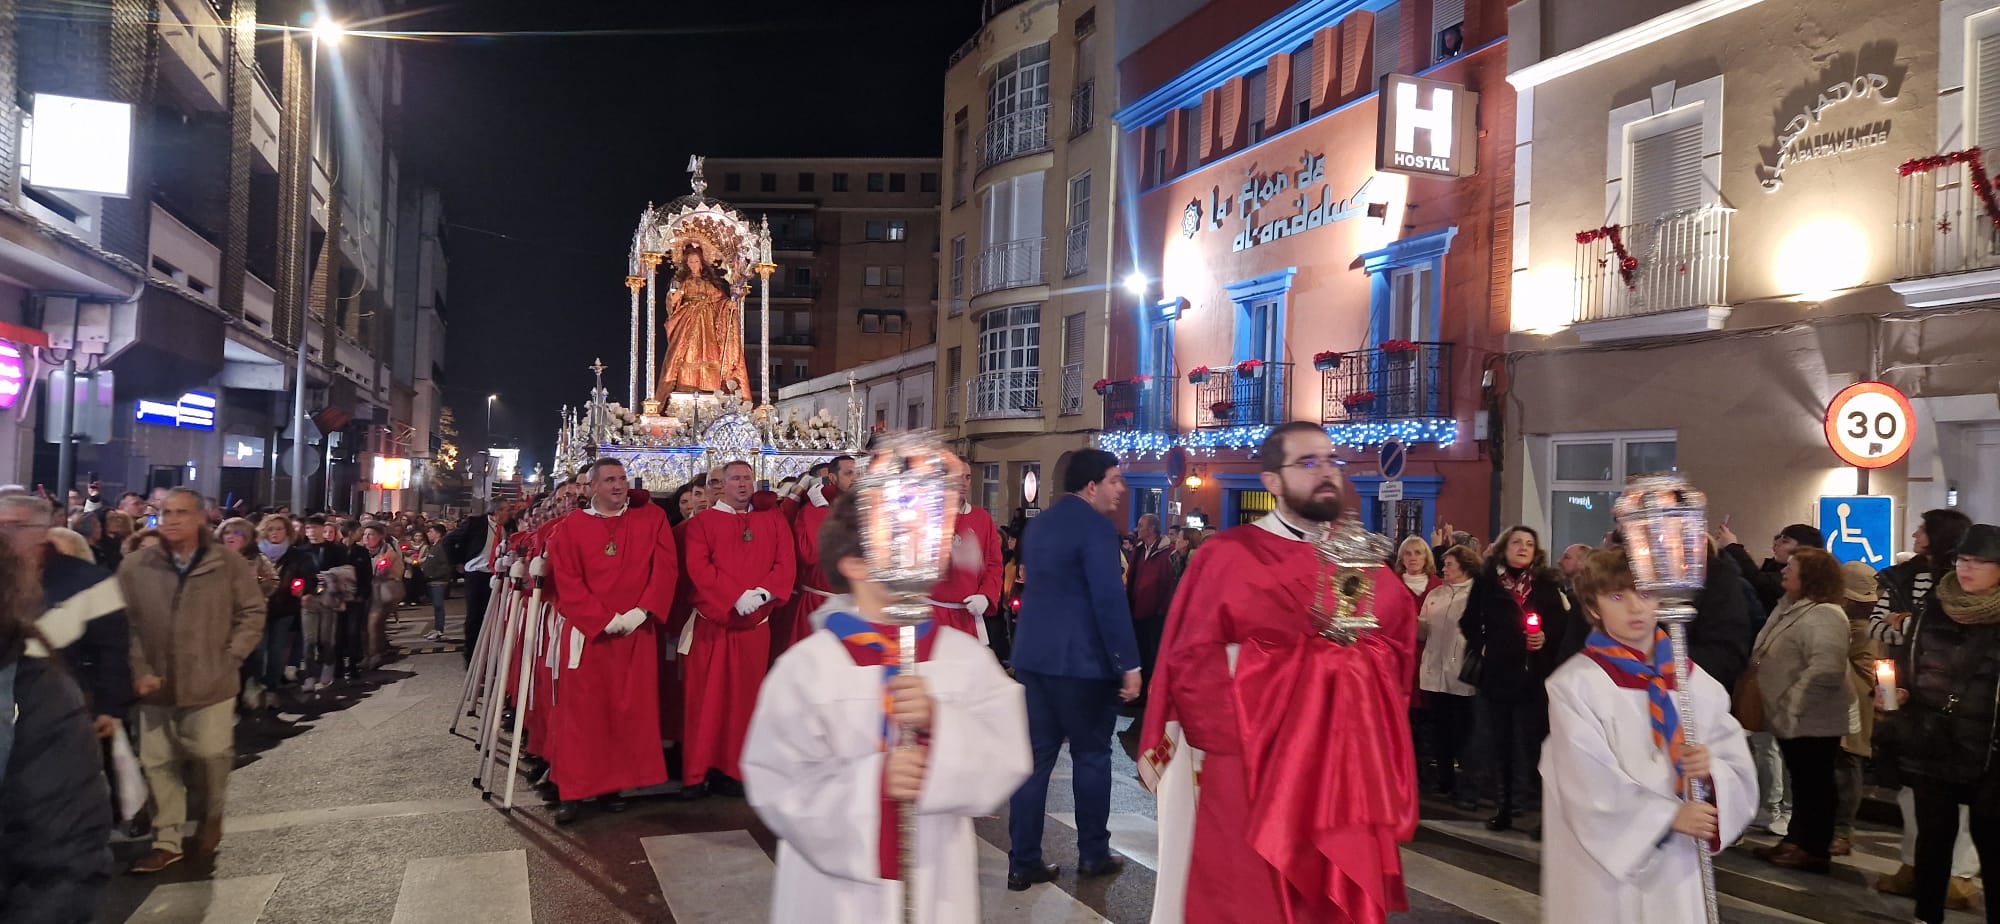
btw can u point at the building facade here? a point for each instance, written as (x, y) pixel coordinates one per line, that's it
(855, 240)
(1028, 233)
(214, 240)
(1721, 224)
(891, 393)
(1320, 205)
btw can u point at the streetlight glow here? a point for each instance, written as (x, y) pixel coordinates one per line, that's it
(1136, 283)
(327, 32)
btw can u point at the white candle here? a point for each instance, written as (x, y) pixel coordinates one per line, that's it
(1885, 685)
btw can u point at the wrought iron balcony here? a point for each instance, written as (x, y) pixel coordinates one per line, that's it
(1139, 404)
(1943, 225)
(795, 243)
(1009, 266)
(1017, 134)
(1366, 386)
(1675, 262)
(1081, 114)
(1076, 249)
(1072, 389)
(1233, 398)
(1009, 394)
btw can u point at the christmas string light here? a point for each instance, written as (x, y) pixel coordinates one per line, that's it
(1142, 445)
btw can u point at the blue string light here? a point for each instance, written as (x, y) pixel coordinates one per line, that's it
(1145, 444)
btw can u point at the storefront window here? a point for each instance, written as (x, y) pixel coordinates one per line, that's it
(1251, 505)
(1590, 470)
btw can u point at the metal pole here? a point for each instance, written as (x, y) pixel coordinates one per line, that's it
(305, 293)
(1676, 614)
(66, 452)
(906, 815)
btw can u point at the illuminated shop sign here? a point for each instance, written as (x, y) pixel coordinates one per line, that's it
(13, 374)
(1427, 128)
(194, 411)
(1308, 208)
(83, 145)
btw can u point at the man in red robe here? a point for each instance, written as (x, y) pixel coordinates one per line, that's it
(972, 583)
(1299, 747)
(794, 621)
(740, 563)
(614, 573)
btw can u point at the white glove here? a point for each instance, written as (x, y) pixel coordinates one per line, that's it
(977, 605)
(751, 600)
(624, 623)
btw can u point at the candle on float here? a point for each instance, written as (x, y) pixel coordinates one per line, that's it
(1885, 685)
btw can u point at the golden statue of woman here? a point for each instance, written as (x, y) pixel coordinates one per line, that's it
(704, 344)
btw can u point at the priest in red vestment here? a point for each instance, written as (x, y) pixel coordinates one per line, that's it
(972, 583)
(1299, 747)
(740, 563)
(794, 621)
(614, 575)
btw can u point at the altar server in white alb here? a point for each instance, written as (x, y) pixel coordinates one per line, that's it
(819, 771)
(1618, 841)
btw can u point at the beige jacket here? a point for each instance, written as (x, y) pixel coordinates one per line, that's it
(1801, 661)
(194, 632)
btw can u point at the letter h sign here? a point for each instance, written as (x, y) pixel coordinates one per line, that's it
(1448, 123)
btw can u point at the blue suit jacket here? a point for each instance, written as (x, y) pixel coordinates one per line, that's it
(1075, 621)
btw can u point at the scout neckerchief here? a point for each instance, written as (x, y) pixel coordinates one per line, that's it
(871, 645)
(1628, 669)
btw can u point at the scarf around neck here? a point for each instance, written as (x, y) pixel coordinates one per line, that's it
(1629, 669)
(1964, 608)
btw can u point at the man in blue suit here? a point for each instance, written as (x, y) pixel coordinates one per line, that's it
(1075, 652)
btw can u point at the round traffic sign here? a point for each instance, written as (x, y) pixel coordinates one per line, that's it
(1870, 425)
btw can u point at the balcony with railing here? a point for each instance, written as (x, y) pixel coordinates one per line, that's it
(1676, 262)
(1400, 380)
(1143, 403)
(1017, 134)
(1007, 394)
(1072, 389)
(1242, 395)
(1081, 114)
(1076, 249)
(1943, 225)
(1011, 265)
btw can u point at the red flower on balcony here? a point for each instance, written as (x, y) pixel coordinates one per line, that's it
(1358, 399)
(1198, 375)
(1326, 361)
(1102, 385)
(1122, 417)
(1142, 380)
(1398, 346)
(1222, 409)
(1249, 367)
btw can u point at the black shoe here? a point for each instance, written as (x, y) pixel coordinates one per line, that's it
(724, 786)
(567, 812)
(1020, 882)
(1465, 805)
(1112, 866)
(1503, 821)
(691, 793)
(611, 804)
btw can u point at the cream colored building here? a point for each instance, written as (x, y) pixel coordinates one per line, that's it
(1776, 252)
(1027, 229)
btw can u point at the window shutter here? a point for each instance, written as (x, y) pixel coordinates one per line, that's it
(1388, 41)
(1194, 133)
(1257, 99)
(1446, 13)
(1986, 128)
(1666, 173)
(1302, 75)
(1072, 339)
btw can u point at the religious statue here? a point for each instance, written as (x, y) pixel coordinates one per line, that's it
(704, 336)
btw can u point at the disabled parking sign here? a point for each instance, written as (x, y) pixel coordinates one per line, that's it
(1859, 528)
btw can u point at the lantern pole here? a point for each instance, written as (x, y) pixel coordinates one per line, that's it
(632, 398)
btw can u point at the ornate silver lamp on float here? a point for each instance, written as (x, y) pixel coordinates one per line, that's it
(1347, 553)
(906, 501)
(1665, 522)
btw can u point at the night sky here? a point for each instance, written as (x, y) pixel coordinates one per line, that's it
(548, 147)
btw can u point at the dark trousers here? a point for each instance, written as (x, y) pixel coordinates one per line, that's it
(1510, 746)
(438, 591)
(1810, 763)
(477, 592)
(1148, 633)
(351, 635)
(1084, 710)
(1937, 831)
(267, 663)
(1448, 727)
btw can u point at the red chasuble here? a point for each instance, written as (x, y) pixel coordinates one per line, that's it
(792, 622)
(1309, 780)
(606, 719)
(975, 543)
(728, 553)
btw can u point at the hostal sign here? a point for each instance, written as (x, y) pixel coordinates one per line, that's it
(1426, 128)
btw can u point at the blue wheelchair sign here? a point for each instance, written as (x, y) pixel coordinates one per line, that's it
(1859, 529)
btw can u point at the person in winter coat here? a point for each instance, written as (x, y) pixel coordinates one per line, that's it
(1801, 664)
(1862, 654)
(1515, 618)
(279, 545)
(1944, 734)
(436, 569)
(1720, 634)
(1448, 701)
(1418, 568)
(386, 563)
(55, 809)
(1766, 578)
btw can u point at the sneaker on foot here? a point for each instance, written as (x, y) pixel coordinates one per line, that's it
(1781, 825)
(326, 676)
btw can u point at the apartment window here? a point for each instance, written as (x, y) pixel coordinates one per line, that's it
(1388, 41)
(1156, 158)
(840, 182)
(871, 276)
(1010, 359)
(898, 230)
(1302, 78)
(806, 182)
(1409, 303)
(732, 182)
(802, 276)
(898, 182)
(1073, 339)
(1191, 119)
(1665, 174)
(800, 372)
(1257, 102)
(767, 182)
(802, 322)
(875, 231)
(892, 322)
(892, 275)
(1019, 85)
(927, 182)
(958, 267)
(989, 488)
(1086, 23)
(1590, 469)
(1013, 210)
(913, 414)
(1447, 29)
(871, 322)
(876, 182)
(1079, 200)
(1984, 80)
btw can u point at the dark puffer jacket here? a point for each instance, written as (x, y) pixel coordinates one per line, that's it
(55, 808)
(1946, 731)
(1495, 626)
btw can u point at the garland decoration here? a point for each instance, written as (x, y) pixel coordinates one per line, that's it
(1975, 164)
(1627, 264)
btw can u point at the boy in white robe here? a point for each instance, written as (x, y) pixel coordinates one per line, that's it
(1618, 841)
(819, 771)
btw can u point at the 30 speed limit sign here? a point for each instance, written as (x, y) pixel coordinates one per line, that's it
(1870, 425)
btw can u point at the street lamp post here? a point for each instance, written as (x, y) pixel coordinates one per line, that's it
(330, 32)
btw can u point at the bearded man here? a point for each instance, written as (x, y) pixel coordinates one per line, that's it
(1299, 746)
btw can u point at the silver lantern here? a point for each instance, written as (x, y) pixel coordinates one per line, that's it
(1348, 555)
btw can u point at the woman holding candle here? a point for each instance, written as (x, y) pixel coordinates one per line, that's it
(1514, 619)
(1945, 731)
(1801, 662)
(386, 562)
